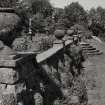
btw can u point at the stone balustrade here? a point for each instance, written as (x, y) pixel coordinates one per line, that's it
(27, 78)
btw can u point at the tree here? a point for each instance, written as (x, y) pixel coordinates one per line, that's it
(7, 3)
(23, 10)
(98, 20)
(38, 23)
(58, 13)
(92, 12)
(101, 14)
(75, 12)
(42, 6)
(98, 15)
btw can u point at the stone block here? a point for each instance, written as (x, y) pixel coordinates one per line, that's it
(7, 57)
(9, 89)
(11, 94)
(8, 99)
(7, 63)
(8, 76)
(7, 96)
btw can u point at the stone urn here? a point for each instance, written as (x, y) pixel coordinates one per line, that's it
(59, 33)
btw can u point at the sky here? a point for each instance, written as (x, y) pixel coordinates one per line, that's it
(87, 4)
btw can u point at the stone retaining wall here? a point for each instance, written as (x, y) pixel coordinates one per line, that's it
(27, 78)
(13, 76)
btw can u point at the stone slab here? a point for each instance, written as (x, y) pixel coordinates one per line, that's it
(7, 63)
(8, 99)
(11, 94)
(7, 57)
(11, 63)
(8, 76)
(47, 54)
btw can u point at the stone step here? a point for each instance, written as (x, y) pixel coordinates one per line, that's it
(84, 44)
(89, 46)
(91, 51)
(97, 53)
(85, 49)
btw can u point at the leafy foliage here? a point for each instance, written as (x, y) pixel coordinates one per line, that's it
(75, 12)
(23, 11)
(38, 10)
(7, 3)
(97, 17)
(58, 13)
(38, 23)
(42, 6)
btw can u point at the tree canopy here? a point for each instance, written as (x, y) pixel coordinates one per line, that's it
(75, 12)
(7, 3)
(41, 6)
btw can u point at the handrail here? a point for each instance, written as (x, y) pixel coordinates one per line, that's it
(50, 52)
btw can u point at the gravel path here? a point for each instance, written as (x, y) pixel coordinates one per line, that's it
(95, 79)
